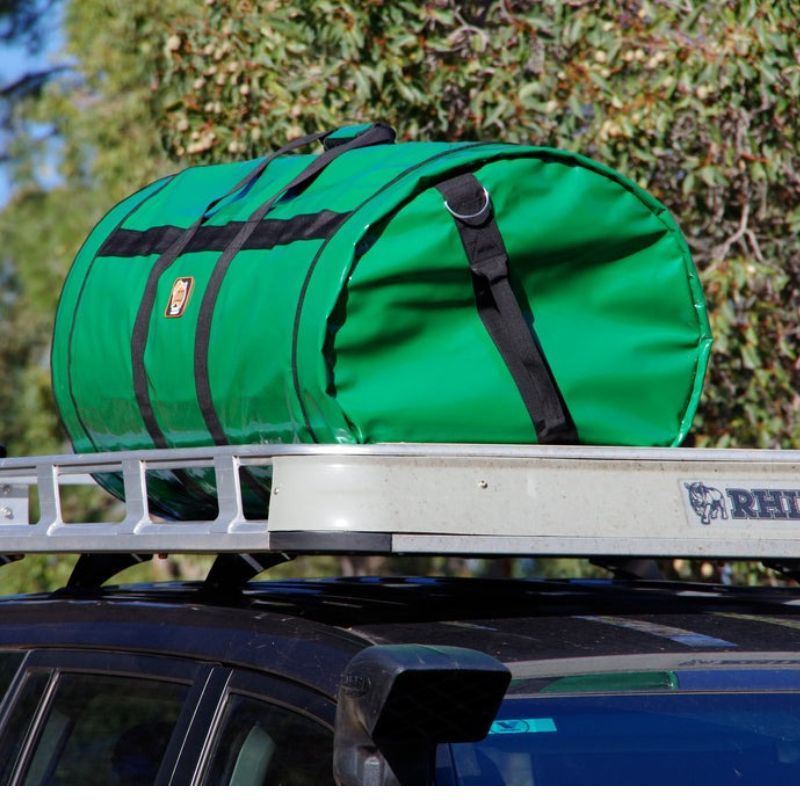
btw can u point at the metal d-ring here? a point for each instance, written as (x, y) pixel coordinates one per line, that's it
(467, 217)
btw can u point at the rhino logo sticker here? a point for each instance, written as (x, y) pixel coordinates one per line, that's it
(706, 501)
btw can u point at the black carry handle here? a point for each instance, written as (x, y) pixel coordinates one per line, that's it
(471, 208)
(375, 134)
(255, 174)
(335, 145)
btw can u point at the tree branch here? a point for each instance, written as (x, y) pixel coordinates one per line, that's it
(30, 82)
(721, 251)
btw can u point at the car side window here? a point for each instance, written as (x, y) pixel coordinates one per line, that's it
(260, 744)
(9, 664)
(104, 730)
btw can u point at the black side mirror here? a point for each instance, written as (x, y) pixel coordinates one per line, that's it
(398, 702)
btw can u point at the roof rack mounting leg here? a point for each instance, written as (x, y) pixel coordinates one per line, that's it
(788, 568)
(234, 570)
(632, 569)
(92, 570)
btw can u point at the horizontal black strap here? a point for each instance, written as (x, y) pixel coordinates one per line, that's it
(214, 238)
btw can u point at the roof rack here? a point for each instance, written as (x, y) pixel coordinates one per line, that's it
(435, 499)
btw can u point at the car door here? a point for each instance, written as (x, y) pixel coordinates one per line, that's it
(99, 718)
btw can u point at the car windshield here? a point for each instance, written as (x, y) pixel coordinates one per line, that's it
(654, 732)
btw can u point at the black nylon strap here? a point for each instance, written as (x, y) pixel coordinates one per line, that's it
(500, 312)
(377, 134)
(209, 238)
(141, 328)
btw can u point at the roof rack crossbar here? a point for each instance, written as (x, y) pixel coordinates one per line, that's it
(493, 500)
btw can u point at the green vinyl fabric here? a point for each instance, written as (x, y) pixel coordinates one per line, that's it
(343, 310)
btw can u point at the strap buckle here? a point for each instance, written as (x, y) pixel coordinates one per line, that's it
(469, 217)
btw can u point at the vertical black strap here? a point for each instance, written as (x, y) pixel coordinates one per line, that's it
(374, 135)
(470, 206)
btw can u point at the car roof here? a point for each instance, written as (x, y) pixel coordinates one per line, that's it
(308, 630)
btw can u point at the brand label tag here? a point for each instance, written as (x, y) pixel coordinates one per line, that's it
(179, 297)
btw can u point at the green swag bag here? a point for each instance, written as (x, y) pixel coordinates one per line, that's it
(379, 292)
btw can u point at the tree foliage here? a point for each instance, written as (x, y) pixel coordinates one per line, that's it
(86, 138)
(696, 101)
(24, 26)
(102, 144)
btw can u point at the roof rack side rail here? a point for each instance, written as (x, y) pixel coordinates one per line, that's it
(495, 500)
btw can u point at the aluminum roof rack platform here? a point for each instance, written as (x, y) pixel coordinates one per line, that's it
(435, 499)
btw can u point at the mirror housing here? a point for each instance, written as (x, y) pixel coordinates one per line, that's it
(398, 702)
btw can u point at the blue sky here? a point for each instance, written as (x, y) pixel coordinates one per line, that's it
(14, 63)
